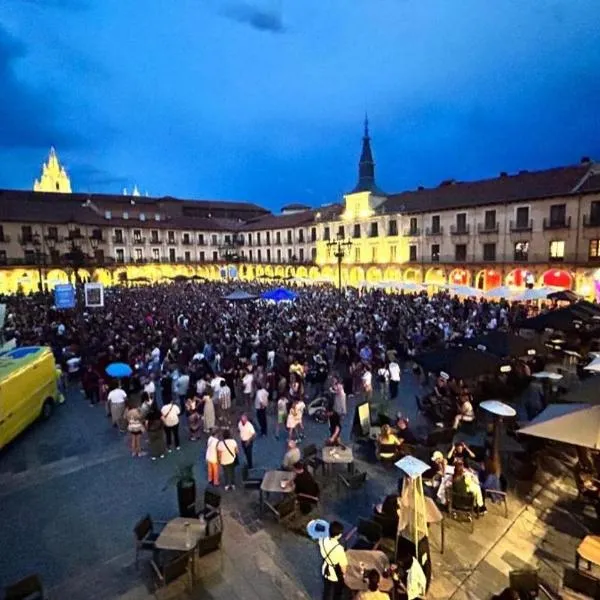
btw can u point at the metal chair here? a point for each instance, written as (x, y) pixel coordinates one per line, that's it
(311, 458)
(209, 543)
(285, 511)
(210, 511)
(29, 588)
(145, 536)
(498, 497)
(252, 478)
(581, 583)
(168, 566)
(369, 535)
(352, 481)
(462, 504)
(525, 582)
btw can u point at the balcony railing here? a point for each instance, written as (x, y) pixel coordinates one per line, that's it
(459, 230)
(138, 241)
(74, 235)
(171, 241)
(118, 239)
(516, 226)
(26, 240)
(488, 227)
(557, 224)
(98, 238)
(432, 231)
(186, 242)
(591, 220)
(156, 240)
(412, 232)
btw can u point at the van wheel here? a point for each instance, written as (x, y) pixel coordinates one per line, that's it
(47, 409)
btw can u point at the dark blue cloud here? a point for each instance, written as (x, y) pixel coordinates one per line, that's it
(260, 18)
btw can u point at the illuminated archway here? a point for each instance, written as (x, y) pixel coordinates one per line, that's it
(5, 283)
(412, 275)
(459, 277)
(435, 276)
(55, 277)
(374, 275)
(279, 271)
(289, 271)
(392, 274)
(518, 277)
(25, 280)
(314, 273)
(102, 276)
(259, 271)
(557, 278)
(269, 271)
(356, 275)
(84, 275)
(301, 272)
(488, 279)
(328, 273)
(120, 275)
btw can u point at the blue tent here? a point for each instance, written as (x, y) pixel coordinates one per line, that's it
(279, 295)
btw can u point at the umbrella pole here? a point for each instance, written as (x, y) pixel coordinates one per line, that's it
(496, 445)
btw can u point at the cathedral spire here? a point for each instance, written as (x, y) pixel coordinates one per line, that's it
(366, 165)
(54, 178)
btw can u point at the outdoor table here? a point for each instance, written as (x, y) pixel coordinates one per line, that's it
(272, 484)
(338, 455)
(360, 561)
(589, 550)
(181, 535)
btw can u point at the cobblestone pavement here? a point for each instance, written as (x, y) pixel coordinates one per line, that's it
(70, 494)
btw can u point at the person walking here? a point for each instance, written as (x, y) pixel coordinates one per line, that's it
(212, 459)
(282, 405)
(247, 436)
(116, 402)
(261, 401)
(170, 417)
(335, 562)
(227, 452)
(135, 427)
(394, 370)
(225, 401)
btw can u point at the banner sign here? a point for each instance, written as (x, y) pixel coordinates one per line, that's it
(94, 294)
(64, 296)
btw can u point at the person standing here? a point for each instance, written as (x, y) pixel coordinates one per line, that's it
(116, 402)
(182, 384)
(339, 397)
(212, 459)
(227, 451)
(248, 388)
(224, 400)
(282, 404)
(135, 427)
(209, 410)
(156, 437)
(170, 417)
(335, 562)
(261, 401)
(247, 435)
(394, 369)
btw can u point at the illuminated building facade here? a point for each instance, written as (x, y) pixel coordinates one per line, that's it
(541, 226)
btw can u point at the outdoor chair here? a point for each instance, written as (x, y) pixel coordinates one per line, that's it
(209, 543)
(210, 511)
(311, 458)
(368, 535)
(497, 497)
(285, 511)
(525, 582)
(388, 453)
(145, 536)
(252, 478)
(352, 481)
(168, 566)
(581, 583)
(440, 437)
(462, 504)
(389, 525)
(29, 588)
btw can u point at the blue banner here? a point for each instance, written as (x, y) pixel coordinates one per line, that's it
(64, 296)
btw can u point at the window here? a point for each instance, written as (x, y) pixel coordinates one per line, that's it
(268, 254)
(96, 233)
(393, 253)
(201, 239)
(126, 215)
(393, 227)
(357, 254)
(138, 254)
(202, 256)
(341, 232)
(3, 259)
(157, 217)
(558, 214)
(435, 253)
(461, 222)
(53, 233)
(313, 254)
(374, 230)
(137, 236)
(259, 255)
(257, 239)
(26, 234)
(249, 239)
(557, 250)
(521, 251)
(120, 255)
(289, 254)
(356, 232)
(326, 234)
(215, 239)
(29, 257)
(250, 255)
(268, 236)
(301, 254)
(522, 216)
(595, 212)
(187, 256)
(412, 253)
(142, 217)
(278, 255)
(313, 234)
(460, 252)
(301, 236)
(186, 239)
(489, 220)
(278, 237)
(118, 236)
(594, 250)
(489, 252)
(156, 254)
(435, 224)
(107, 214)
(216, 256)
(374, 254)
(172, 255)
(289, 236)
(171, 237)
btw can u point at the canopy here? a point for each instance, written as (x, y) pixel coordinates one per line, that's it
(465, 290)
(563, 319)
(279, 295)
(577, 424)
(239, 296)
(503, 291)
(534, 294)
(119, 370)
(460, 362)
(564, 296)
(505, 344)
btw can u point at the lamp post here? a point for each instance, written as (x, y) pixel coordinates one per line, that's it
(40, 259)
(340, 247)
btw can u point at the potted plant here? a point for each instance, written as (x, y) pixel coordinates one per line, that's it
(184, 481)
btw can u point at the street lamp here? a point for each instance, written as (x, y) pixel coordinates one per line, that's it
(39, 258)
(340, 247)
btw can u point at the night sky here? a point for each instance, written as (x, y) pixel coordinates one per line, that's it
(263, 100)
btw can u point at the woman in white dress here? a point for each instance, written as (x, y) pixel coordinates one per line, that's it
(209, 411)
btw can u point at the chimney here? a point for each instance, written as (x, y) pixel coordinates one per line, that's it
(585, 160)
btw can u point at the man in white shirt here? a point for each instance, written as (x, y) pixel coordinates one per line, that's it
(170, 417)
(150, 387)
(335, 562)
(116, 401)
(182, 385)
(394, 369)
(261, 400)
(247, 435)
(248, 388)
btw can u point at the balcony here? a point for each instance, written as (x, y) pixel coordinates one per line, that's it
(138, 241)
(4, 239)
(488, 227)
(517, 226)
(171, 241)
(433, 231)
(591, 220)
(459, 230)
(98, 237)
(74, 235)
(186, 242)
(156, 240)
(557, 224)
(118, 239)
(26, 240)
(412, 232)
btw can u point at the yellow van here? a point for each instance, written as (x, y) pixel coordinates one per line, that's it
(28, 389)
